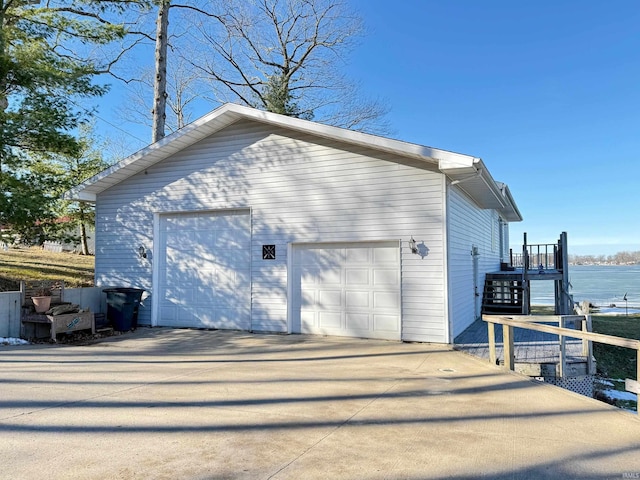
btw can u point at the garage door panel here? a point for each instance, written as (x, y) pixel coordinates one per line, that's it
(308, 299)
(357, 256)
(330, 298)
(329, 320)
(309, 276)
(385, 323)
(308, 322)
(332, 276)
(347, 289)
(386, 300)
(386, 277)
(388, 255)
(357, 299)
(358, 321)
(357, 276)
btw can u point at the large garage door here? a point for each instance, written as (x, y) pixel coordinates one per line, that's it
(204, 270)
(348, 290)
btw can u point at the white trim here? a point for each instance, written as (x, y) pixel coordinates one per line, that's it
(155, 301)
(289, 287)
(445, 259)
(250, 269)
(401, 289)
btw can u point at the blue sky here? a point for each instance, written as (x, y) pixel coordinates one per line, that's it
(547, 93)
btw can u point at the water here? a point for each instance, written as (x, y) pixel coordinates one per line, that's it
(602, 285)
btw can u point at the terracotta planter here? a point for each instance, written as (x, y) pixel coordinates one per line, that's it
(41, 304)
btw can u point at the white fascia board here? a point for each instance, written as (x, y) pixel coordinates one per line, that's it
(81, 195)
(513, 214)
(459, 161)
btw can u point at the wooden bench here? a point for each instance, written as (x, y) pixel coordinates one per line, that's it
(52, 325)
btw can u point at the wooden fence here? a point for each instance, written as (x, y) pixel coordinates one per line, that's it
(531, 322)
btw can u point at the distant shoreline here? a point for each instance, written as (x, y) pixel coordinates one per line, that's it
(603, 264)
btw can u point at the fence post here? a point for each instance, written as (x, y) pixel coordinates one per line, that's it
(562, 365)
(590, 361)
(492, 343)
(507, 337)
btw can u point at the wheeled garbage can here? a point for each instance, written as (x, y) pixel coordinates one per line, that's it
(122, 307)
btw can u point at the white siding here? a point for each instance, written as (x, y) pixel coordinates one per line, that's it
(469, 226)
(299, 189)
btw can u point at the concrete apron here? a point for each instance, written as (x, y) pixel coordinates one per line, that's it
(168, 404)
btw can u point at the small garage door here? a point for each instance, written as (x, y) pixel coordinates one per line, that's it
(204, 270)
(348, 290)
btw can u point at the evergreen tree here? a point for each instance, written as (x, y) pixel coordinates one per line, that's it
(46, 66)
(57, 174)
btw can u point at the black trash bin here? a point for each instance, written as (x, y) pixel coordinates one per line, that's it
(122, 307)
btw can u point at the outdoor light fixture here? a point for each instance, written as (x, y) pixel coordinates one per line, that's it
(142, 252)
(413, 246)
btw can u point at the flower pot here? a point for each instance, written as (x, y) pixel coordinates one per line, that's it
(41, 304)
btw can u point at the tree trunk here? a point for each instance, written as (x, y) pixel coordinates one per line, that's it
(160, 83)
(83, 239)
(83, 231)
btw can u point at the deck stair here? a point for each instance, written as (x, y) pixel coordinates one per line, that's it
(503, 294)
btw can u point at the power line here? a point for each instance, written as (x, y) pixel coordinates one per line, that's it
(93, 114)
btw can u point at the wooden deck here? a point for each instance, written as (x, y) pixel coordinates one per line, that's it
(536, 353)
(532, 274)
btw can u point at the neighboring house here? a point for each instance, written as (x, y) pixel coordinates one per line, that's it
(256, 221)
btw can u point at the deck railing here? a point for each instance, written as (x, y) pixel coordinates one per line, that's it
(543, 256)
(530, 322)
(537, 257)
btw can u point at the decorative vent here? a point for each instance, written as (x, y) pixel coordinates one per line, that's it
(268, 252)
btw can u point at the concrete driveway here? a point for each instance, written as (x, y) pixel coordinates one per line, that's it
(187, 404)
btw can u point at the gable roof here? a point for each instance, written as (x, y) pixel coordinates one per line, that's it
(469, 172)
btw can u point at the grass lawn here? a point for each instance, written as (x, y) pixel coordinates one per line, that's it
(616, 362)
(613, 362)
(38, 264)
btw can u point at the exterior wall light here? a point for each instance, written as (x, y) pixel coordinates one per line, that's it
(413, 246)
(142, 252)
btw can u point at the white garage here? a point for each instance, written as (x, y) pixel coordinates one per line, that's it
(267, 223)
(347, 289)
(204, 272)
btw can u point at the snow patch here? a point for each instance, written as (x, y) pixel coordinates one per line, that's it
(12, 341)
(618, 395)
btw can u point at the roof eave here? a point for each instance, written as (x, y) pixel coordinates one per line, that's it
(230, 113)
(476, 181)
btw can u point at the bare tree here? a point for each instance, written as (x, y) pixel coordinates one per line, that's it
(182, 93)
(284, 56)
(160, 83)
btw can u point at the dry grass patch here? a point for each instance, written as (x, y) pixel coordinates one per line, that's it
(18, 264)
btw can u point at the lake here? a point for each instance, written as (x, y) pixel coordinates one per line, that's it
(602, 285)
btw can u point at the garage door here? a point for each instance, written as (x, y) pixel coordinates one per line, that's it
(348, 290)
(204, 270)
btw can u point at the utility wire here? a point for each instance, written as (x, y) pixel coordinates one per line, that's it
(93, 114)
